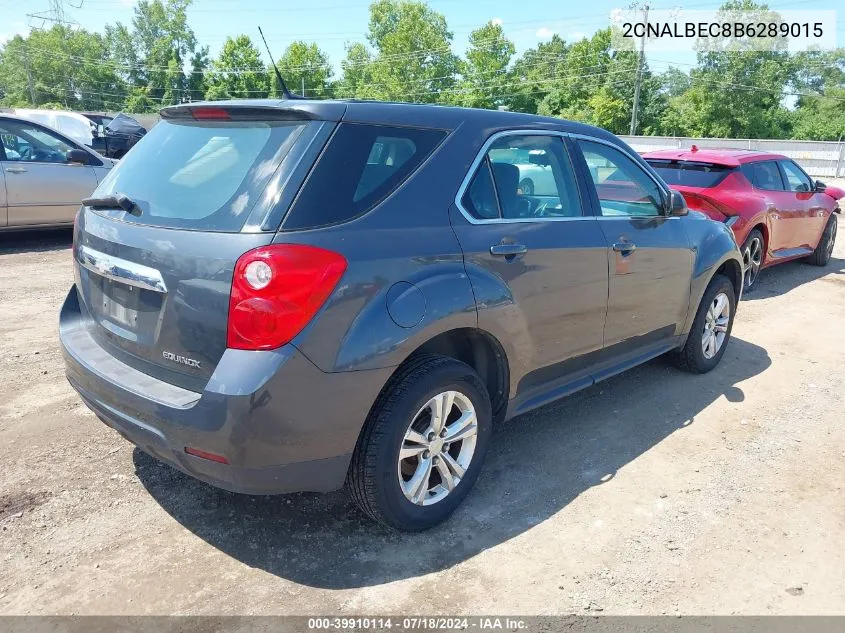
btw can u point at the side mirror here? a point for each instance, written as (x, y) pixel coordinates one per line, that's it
(820, 186)
(677, 204)
(77, 156)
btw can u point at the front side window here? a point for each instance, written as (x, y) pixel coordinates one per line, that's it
(27, 143)
(796, 179)
(623, 187)
(523, 177)
(360, 167)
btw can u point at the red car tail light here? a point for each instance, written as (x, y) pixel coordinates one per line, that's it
(277, 290)
(705, 204)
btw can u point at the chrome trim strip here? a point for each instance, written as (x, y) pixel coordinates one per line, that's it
(535, 132)
(474, 167)
(633, 156)
(121, 270)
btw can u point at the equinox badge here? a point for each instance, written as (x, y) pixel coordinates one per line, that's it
(190, 362)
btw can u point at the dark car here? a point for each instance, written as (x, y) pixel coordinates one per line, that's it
(114, 136)
(777, 212)
(278, 296)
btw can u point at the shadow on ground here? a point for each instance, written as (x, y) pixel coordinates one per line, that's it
(537, 464)
(780, 279)
(35, 241)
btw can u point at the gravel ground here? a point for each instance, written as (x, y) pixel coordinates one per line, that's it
(655, 492)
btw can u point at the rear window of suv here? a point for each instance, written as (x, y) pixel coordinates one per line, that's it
(200, 175)
(361, 165)
(689, 174)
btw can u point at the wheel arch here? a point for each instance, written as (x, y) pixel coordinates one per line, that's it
(477, 348)
(760, 225)
(732, 269)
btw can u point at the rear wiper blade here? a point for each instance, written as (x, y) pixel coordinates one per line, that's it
(113, 201)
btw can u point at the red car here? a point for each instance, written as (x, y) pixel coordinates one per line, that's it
(776, 211)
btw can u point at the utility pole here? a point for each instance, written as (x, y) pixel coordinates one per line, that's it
(29, 75)
(636, 109)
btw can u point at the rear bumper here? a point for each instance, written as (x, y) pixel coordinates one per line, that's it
(282, 423)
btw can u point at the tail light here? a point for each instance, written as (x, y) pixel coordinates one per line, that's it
(277, 290)
(75, 229)
(709, 206)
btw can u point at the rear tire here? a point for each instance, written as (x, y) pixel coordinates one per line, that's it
(824, 249)
(382, 482)
(752, 258)
(711, 328)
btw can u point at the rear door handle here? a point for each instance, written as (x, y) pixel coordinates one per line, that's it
(508, 250)
(16, 170)
(624, 247)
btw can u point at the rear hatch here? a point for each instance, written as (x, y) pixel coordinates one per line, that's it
(205, 185)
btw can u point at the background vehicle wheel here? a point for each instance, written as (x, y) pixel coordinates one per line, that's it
(752, 258)
(423, 444)
(824, 249)
(527, 186)
(711, 328)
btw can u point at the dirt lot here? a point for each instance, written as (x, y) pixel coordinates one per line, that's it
(655, 492)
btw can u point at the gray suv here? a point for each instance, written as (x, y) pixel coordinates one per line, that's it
(279, 296)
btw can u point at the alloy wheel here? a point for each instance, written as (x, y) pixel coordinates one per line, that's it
(438, 448)
(752, 259)
(716, 323)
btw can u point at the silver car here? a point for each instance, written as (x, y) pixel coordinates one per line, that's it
(46, 175)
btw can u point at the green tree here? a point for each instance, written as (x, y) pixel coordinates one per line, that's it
(589, 81)
(413, 52)
(821, 118)
(238, 72)
(736, 91)
(154, 52)
(484, 73)
(535, 74)
(63, 66)
(356, 68)
(197, 84)
(820, 110)
(306, 70)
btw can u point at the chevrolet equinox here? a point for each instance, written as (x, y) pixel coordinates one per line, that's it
(280, 296)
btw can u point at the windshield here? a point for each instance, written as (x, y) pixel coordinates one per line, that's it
(200, 175)
(689, 174)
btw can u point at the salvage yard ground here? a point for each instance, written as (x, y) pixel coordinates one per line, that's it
(655, 492)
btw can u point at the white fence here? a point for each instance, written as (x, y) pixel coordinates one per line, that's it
(818, 158)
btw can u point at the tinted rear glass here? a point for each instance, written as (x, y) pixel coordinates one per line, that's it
(200, 176)
(689, 174)
(361, 166)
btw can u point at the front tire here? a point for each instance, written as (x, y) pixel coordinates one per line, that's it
(711, 329)
(824, 249)
(423, 444)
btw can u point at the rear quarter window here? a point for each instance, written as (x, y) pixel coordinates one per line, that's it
(360, 167)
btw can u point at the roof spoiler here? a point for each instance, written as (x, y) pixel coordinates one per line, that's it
(227, 111)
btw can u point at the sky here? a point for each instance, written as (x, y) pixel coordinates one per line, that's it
(332, 23)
